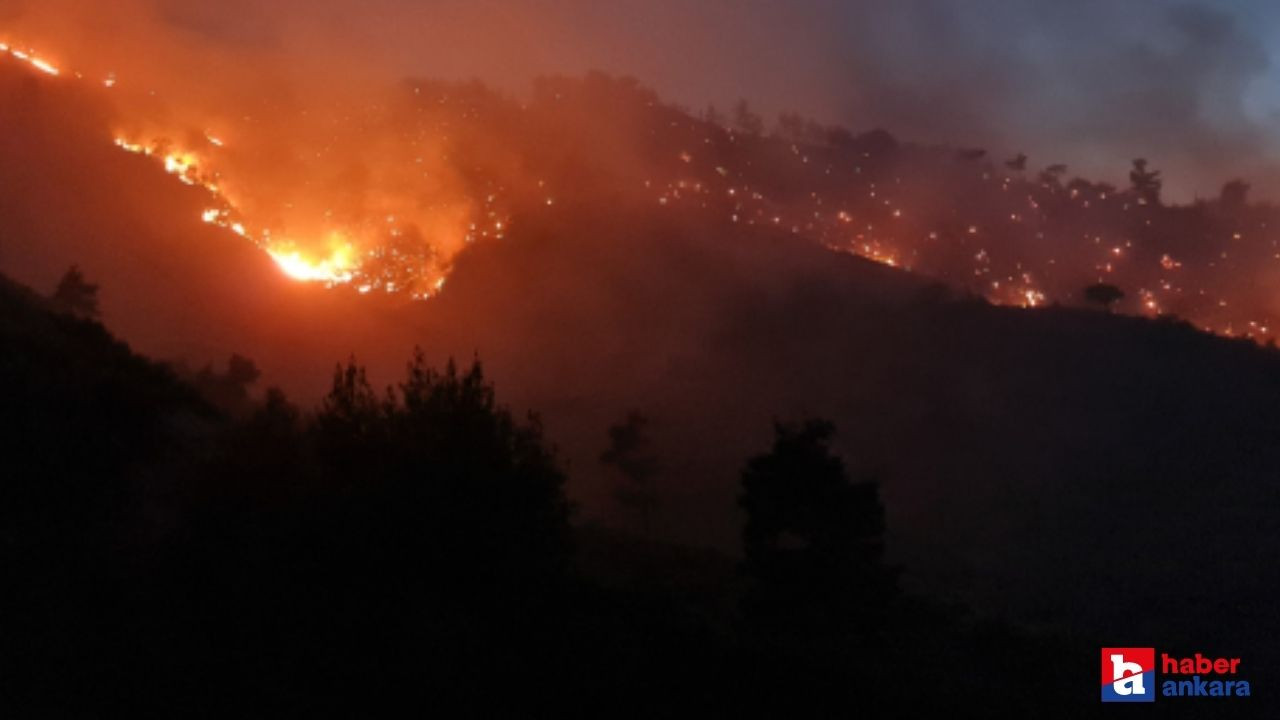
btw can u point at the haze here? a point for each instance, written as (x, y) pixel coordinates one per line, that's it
(1091, 83)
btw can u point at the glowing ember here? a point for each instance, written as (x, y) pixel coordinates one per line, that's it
(44, 66)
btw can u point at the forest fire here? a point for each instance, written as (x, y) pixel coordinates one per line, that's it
(715, 406)
(382, 196)
(402, 242)
(340, 264)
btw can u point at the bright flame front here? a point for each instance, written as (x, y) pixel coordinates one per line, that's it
(336, 268)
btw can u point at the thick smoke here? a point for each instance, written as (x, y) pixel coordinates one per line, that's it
(1091, 84)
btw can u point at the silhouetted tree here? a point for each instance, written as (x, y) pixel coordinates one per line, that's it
(448, 463)
(262, 454)
(1081, 186)
(839, 137)
(630, 455)
(1052, 175)
(1104, 294)
(972, 154)
(427, 517)
(1145, 183)
(813, 539)
(1234, 195)
(228, 391)
(352, 422)
(746, 120)
(791, 126)
(878, 141)
(1017, 163)
(75, 295)
(714, 116)
(242, 371)
(814, 132)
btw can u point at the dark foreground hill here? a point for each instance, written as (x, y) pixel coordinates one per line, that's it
(165, 558)
(162, 558)
(1064, 465)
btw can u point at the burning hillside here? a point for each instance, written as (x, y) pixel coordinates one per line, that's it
(383, 193)
(347, 199)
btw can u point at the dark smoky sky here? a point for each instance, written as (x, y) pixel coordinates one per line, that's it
(1091, 83)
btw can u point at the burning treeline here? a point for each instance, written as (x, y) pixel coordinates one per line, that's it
(345, 175)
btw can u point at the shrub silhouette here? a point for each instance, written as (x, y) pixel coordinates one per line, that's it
(75, 295)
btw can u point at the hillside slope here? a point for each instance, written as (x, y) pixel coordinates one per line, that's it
(1020, 450)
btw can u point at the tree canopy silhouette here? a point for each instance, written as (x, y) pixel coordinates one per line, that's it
(746, 120)
(75, 295)
(1146, 184)
(629, 452)
(713, 116)
(1234, 195)
(1104, 294)
(813, 539)
(454, 471)
(1051, 176)
(229, 390)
